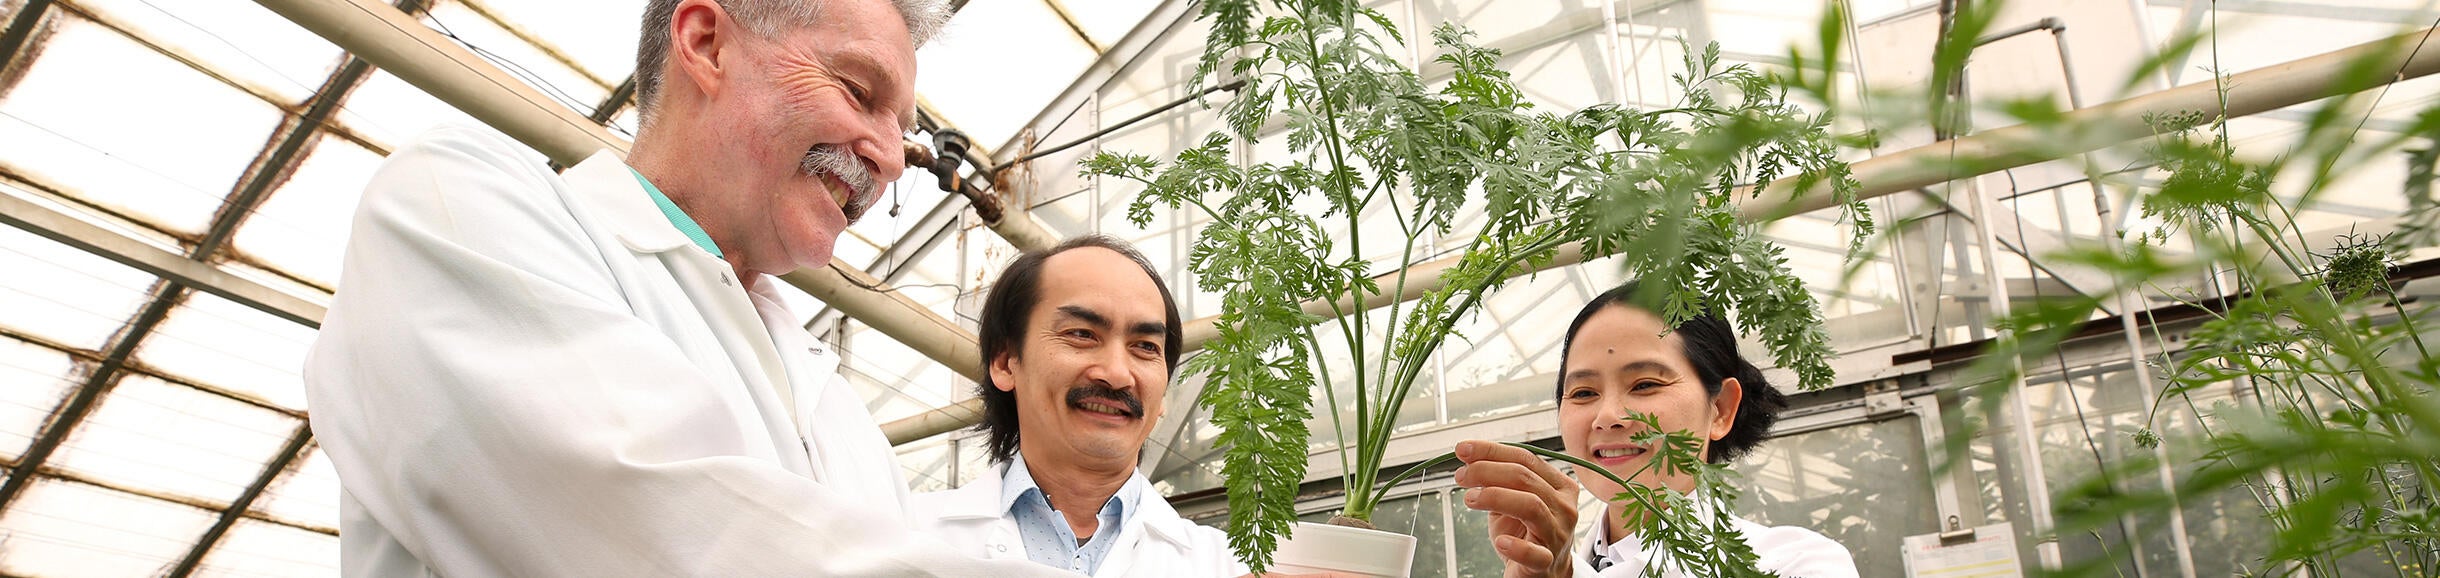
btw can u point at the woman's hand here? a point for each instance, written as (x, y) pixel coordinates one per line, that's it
(1532, 507)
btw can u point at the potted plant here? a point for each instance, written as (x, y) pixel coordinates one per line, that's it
(1368, 134)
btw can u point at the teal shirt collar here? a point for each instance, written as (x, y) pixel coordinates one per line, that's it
(678, 218)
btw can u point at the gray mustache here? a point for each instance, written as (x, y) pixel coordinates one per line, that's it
(834, 160)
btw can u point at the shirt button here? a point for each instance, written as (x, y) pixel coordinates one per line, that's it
(1003, 548)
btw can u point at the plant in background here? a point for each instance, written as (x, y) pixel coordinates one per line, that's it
(2339, 441)
(1368, 136)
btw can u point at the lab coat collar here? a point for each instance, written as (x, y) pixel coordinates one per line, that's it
(980, 500)
(1016, 480)
(607, 184)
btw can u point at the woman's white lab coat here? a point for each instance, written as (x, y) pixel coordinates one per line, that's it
(1154, 542)
(530, 374)
(1787, 551)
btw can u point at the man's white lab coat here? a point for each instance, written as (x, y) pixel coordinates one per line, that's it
(1154, 542)
(533, 374)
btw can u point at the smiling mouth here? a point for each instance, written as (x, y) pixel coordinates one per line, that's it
(1618, 454)
(1106, 408)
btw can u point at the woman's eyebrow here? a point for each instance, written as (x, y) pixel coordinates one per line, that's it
(1648, 366)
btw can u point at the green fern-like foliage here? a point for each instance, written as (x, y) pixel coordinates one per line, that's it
(1369, 135)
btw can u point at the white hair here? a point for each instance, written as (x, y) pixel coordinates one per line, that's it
(764, 17)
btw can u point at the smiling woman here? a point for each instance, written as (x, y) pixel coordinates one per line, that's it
(1625, 372)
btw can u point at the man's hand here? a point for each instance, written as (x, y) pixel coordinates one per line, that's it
(1532, 507)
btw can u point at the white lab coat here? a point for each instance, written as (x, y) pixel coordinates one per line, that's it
(1154, 542)
(1789, 551)
(529, 374)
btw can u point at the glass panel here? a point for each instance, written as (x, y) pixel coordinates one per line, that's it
(310, 495)
(2078, 424)
(894, 380)
(600, 35)
(233, 347)
(236, 37)
(389, 112)
(154, 435)
(1564, 75)
(1865, 486)
(521, 60)
(34, 380)
(59, 293)
(69, 529)
(967, 71)
(1502, 359)
(1507, 24)
(108, 137)
(1419, 516)
(927, 463)
(1108, 20)
(1469, 535)
(302, 228)
(254, 548)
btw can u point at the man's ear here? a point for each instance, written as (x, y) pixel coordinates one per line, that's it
(1003, 371)
(1724, 407)
(701, 38)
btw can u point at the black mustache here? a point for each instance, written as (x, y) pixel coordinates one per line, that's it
(1076, 397)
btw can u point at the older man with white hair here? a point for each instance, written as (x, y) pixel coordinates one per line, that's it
(590, 373)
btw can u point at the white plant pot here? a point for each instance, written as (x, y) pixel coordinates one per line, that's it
(1327, 548)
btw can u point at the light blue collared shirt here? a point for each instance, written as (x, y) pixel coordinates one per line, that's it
(1048, 540)
(685, 224)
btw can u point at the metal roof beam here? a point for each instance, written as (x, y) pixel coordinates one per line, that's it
(144, 255)
(287, 461)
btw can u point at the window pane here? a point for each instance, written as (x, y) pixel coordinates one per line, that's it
(255, 548)
(33, 382)
(59, 293)
(237, 37)
(154, 435)
(88, 117)
(69, 529)
(233, 347)
(1865, 486)
(975, 51)
(302, 227)
(310, 495)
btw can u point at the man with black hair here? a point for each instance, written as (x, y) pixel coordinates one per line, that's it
(1078, 345)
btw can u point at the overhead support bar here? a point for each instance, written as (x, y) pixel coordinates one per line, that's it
(864, 298)
(2261, 90)
(58, 225)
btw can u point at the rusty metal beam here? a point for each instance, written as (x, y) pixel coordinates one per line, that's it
(100, 381)
(21, 29)
(52, 473)
(285, 463)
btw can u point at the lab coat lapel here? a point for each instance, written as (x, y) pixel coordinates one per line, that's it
(609, 188)
(1139, 536)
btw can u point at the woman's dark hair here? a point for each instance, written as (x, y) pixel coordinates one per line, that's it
(1711, 347)
(1011, 304)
